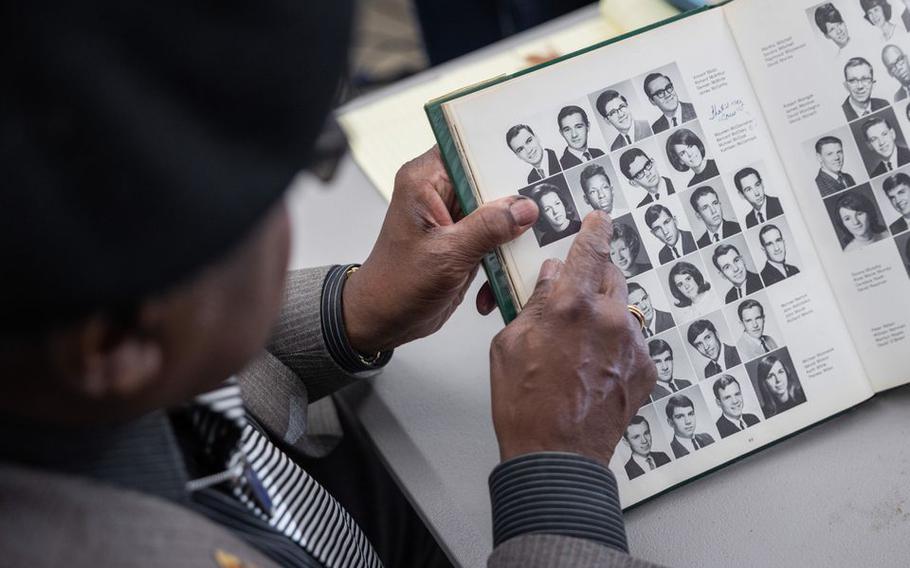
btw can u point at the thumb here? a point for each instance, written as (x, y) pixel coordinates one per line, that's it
(493, 224)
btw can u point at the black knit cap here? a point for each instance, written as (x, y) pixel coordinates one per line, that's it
(140, 141)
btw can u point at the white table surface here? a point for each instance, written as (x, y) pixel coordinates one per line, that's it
(835, 495)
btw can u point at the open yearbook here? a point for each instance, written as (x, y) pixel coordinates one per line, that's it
(754, 157)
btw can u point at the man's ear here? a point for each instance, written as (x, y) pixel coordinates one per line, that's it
(102, 359)
(717, 401)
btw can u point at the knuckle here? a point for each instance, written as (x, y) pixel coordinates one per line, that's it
(573, 306)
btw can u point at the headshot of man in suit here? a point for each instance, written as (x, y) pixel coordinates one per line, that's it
(615, 109)
(710, 210)
(730, 263)
(832, 25)
(662, 356)
(557, 220)
(574, 127)
(898, 67)
(681, 417)
(729, 398)
(624, 250)
(897, 189)
(656, 320)
(525, 144)
(881, 137)
(687, 152)
(859, 80)
(642, 171)
(753, 343)
(702, 335)
(597, 188)
(776, 267)
(664, 225)
(659, 89)
(638, 437)
(829, 151)
(750, 186)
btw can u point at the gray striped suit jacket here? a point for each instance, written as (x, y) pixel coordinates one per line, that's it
(51, 519)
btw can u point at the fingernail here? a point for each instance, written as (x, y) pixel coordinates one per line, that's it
(523, 211)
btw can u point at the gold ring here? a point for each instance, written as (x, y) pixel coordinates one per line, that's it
(638, 315)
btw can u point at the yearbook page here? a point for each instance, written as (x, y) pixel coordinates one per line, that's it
(663, 131)
(833, 80)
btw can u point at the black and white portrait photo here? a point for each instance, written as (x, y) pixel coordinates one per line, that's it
(626, 250)
(859, 80)
(829, 23)
(712, 212)
(895, 60)
(664, 89)
(856, 218)
(689, 421)
(734, 269)
(751, 187)
(641, 167)
(527, 147)
(575, 128)
(903, 249)
(674, 370)
(731, 393)
(639, 438)
(656, 319)
(687, 152)
(690, 290)
(711, 345)
(670, 235)
(775, 241)
(758, 332)
(776, 382)
(595, 186)
(893, 192)
(836, 155)
(558, 217)
(881, 143)
(621, 115)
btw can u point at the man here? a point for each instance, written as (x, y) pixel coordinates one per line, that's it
(750, 186)
(882, 139)
(831, 24)
(859, 80)
(574, 126)
(662, 356)
(702, 335)
(729, 262)
(124, 442)
(662, 95)
(710, 210)
(597, 188)
(642, 171)
(558, 220)
(524, 143)
(615, 109)
(638, 437)
(829, 151)
(681, 417)
(753, 343)
(905, 15)
(895, 62)
(729, 398)
(776, 267)
(897, 189)
(656, 321)
(664, 226)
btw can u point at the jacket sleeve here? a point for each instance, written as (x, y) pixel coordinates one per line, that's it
(556, 551)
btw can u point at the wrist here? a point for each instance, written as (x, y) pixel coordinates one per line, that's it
(359, 322)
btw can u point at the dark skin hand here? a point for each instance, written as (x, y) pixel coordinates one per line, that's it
(425, 258)
(572, 369)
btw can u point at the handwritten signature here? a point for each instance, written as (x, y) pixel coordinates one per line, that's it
(727, 110)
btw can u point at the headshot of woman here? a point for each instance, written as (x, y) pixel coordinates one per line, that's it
(686, 151)
(691, 291)
(878, 13)
(858, 221)
(624, 249)
(558, 218)
(778, 386)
